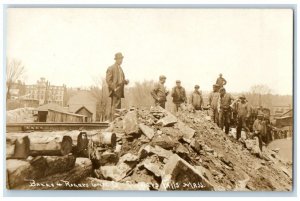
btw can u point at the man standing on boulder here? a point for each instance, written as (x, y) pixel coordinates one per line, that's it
(179, 96)
(221, 81)
(115, 80)
(224, 109)
(159, 92)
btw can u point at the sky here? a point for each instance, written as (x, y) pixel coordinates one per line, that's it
(75, 46)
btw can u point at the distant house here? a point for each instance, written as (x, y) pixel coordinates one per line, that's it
(84, 111)
(52, 112)
(286, 119)
(83, 102)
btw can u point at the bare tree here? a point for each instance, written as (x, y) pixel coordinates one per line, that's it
(100, 92)
(14, 71)
(260, 95)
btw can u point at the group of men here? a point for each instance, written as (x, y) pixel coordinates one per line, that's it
(220, 102)
(178, 94)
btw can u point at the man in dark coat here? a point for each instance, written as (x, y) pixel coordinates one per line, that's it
(115, 80)
(224, 108)
(179, 96)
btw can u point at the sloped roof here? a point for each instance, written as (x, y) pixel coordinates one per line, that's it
(51, 106)
(82, 98)
(84, 108)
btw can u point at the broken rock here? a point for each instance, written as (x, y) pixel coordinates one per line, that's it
(188, 133)
(130, 123)
(152, 167)
(149, 132)
(115, 173)
(164, 141)
(185, 177)
(149, 150)
(168, 120)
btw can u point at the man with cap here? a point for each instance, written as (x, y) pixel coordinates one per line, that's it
(224, 109)
(159, 92)
(259, 128)
(179, 96)
(115, 80)
(243, 113)
(196, 98)
(213, 103)
(221, 81)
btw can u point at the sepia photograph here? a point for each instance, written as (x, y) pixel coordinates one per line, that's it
(149, 99)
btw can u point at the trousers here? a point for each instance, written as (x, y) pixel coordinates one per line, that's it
(224, 119)
(115, 104)
(241, 123)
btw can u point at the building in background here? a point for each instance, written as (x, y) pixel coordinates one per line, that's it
(44, 93)
(83, 102)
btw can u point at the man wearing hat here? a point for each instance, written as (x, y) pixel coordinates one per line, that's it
(224, 109)
(259, 128)
(221, 81)
(115, 80)
(159, 92)
(243, 113)
(196, 98)
(213, 103)
(179, 96)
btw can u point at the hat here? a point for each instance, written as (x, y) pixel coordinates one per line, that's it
(178, 81)
(118, 55)
(162, 77)
(242, 96)
(220, 74)
(197, 86)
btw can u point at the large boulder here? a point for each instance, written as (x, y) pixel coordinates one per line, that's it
(180, 175)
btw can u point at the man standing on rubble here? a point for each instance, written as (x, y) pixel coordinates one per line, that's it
(224, 109)
(221, 81)
(243, 113)
(116, 81)
(159, 92)
(179, 96)
(259, 128)
(196, 98)
(213, 103)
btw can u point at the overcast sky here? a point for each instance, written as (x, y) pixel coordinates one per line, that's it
(72, 46)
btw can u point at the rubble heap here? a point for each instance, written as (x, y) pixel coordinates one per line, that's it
(20, 115)
(188, 152)
(152, 150)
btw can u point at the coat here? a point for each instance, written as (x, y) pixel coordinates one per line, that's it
(159, 93)
(115, 80)
(196, 99)
(179, 95)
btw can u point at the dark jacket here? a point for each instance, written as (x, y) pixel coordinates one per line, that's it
(115, 80)
(179, 95)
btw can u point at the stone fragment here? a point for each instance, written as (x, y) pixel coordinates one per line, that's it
(148, 131)
(164, 141)
(168, 120)
(130, 123)
(185, 177)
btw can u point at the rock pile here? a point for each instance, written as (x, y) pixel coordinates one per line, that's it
(20, 115)
(155, 150)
